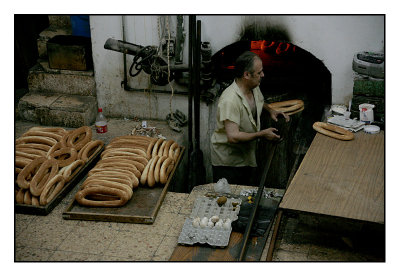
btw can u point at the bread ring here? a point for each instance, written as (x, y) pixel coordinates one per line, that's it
(139, 159)
(176, 153)
(109, 184)
(37, 140)
(171, 152)
(35, 201)
(64, 139)
(88, 151)
(21, 162)
(333, 131)
(59, 156)
(70, 170)
(27, 198)
(79, 137)
(81, 197)
(119, 179)
(111, 160)
(27, 155)
(296, 111)
(161, 148)
(149, 149)
(116, 172)
(167, 146)
(157, 168)
(156, 146)
(55, 136)
(32, 151)
(145, 173)
(57, 130)
(132, 145)
(120, 165)
(287, 106)
(163, 170)
(39, 146)
(150, 178)
(54, 148)
(133, 138)
(49, 166)
(51, 189)
(28, 172)
(19, 197)
(128, 151)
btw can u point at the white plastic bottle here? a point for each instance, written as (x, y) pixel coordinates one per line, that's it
(101, 122)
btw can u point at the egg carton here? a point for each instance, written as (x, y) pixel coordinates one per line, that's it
(208, 207)
(204, 235)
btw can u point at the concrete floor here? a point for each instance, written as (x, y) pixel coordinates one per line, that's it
(301, 237)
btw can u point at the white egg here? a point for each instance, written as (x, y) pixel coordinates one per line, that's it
(210, 224)
(204, 222)
(196, 223)
(218, 225)
(214, 218)
(227, 224)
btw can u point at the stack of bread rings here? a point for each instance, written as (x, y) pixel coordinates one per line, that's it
(126, 163)
(47, 158)
(289, 107)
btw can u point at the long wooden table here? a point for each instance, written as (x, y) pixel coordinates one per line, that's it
(341, 178)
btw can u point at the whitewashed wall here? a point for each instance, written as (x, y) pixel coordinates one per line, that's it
(332, 39)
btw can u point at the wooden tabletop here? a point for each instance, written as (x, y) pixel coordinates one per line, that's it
(341, 178)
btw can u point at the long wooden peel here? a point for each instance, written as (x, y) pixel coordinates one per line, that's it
(260, 190)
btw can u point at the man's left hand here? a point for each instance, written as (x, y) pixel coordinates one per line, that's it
(275, 114)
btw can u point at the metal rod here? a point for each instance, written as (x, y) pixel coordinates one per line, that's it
(257, 201)
(274, 236)
(285, 128)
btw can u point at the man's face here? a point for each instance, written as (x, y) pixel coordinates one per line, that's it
(257, 75)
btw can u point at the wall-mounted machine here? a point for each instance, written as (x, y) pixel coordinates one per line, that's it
(370, 63)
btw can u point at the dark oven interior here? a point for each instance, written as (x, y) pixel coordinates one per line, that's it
(290, 73)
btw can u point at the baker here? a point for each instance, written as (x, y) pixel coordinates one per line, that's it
(234, 141)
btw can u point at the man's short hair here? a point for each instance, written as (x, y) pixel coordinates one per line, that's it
(245, 62)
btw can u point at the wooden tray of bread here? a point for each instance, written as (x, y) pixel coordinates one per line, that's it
(49, 162)
(129, 182)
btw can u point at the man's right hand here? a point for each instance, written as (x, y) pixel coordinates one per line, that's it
(269, 134)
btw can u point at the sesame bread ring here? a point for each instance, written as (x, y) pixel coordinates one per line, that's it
(88, 151)
(167, 146)
(25, 176)
(21, 162)
(150, 147)
(36, 139)
(132, 168)
(109, 184)
(163, 170)
(333, 131)
(64, 139)
(35, 201)
(27, 155)
(145, 173)
(130, 145)
(128, 151)
(49, 166)
(27, 198)
(82, 197)
(54, 148)
(33, 151)
(19, 197)
(51, 189)
(39, 146)
(79, 137)
(287, 106)
(171, 152)
(64, 156)
(70, 170)
(137, 158)
(111, 160)
(156, 146)
(116, 172)
(57, 130)
(133, 138)
(150, 178)
(296, 111)
(119, 179)
(55, 136)
(158, 167)
(176, 153)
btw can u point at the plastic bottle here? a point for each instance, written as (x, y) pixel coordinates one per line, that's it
(101, 122)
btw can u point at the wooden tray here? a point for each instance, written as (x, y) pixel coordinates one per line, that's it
(141, 208)
(45, 210)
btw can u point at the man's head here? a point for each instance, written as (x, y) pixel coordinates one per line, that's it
(248, 67)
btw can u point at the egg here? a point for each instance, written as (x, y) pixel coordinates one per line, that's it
(210, 224)
(214, 218)
(196, 222)
(227, 224)
(218, 225)
(204, 222)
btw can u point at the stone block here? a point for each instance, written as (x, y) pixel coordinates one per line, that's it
(47, 34)
(61, 81)
(369, 87)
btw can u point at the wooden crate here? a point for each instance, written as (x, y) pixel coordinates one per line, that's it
(45, 210)
(141, 208)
